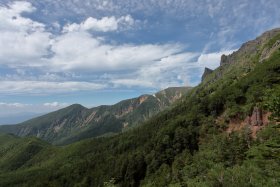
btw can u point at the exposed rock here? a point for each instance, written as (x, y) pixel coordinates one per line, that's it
(268, 51)
(225, 59)
(125, 111)
(256, 118)
(58, 127)
(255, 122)
(207, 71)
(89, 118)
(142, 99)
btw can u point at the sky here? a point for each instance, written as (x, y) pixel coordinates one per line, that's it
(55, 53)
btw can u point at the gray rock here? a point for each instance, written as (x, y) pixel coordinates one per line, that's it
(207, 71)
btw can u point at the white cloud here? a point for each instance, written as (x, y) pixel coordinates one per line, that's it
(22, 40)
(132, 83)
(174, 70)
(55, 104)
(104, 24)
(165, 72)
(25, 43)
(13, 105)
(21, 6)
(35, 87)
(168, 71)
(92, 54)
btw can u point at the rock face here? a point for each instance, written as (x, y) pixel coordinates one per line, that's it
(226, 59)
(255, 122)
(207, 72)
(257, 118)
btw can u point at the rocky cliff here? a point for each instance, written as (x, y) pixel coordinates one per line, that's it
(207, 72)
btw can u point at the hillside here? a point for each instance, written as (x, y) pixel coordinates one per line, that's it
(76, 122)
(191, 144)
(18, 152)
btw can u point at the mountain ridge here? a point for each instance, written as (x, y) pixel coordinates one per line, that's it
(77, 122)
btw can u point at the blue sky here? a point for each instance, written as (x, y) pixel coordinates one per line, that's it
(54, 53)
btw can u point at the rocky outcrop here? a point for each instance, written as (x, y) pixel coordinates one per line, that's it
(252, 48)
(143, 99)
(267, 51)
(256, 118)
(255, 122)
(207, 72)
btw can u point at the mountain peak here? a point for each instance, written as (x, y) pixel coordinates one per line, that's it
(76, 105)
(207, 71)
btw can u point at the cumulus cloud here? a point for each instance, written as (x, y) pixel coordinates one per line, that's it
(22, 40)
(55, 104)
(28, 44)
(89, 53)
(104, 24)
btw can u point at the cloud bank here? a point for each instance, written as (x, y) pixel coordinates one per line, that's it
(27, 44)
(82, 55)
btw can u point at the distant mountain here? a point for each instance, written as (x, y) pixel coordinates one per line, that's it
(17, 118)
(77, 122)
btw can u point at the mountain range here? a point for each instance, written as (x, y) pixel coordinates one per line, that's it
(77, 122)
(224, 132)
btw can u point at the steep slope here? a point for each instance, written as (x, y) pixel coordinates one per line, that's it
(250, 54)
(186, 145)
(77, 122)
